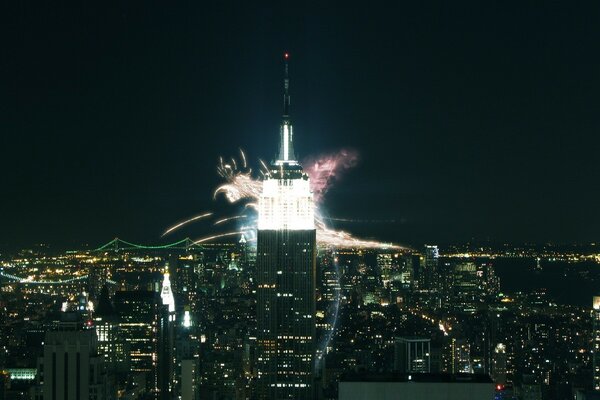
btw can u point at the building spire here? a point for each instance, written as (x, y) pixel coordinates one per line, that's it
(286, 148)
(167, 294)
(286, 89)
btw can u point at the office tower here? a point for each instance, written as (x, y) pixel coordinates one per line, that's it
(242, 250)
(412, 355)
(189, 382)
(98, 274)
(71, 368)
(330, 275)
(188, 281)
(491, 282)
(499, 364)
(596, 342)
(466, 286)
(188, 349)
(384, 265)
(166, 353)
(430, 274)
(110, 342)
(139, 313)
(457, 356)
(286, 269)
(406, 270)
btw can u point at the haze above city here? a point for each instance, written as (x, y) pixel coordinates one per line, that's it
(469, 120)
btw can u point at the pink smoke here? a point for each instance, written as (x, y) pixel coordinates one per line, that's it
(326, 168)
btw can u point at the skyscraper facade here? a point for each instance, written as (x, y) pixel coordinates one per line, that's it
(140, 317)
(285, 275)
(596, 342)
(71, 367)
(429, 275)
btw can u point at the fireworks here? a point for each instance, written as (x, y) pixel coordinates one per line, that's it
(179, 225)
(228, 219)
(208, 238)
(328, 237)
(323, 170)
(241, 186)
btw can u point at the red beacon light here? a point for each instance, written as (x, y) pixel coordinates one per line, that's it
(286, 55)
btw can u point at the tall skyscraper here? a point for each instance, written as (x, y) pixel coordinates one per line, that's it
(166, 354)
(140, 323)
(429, 275)
(384, 265)
(286, 270)
(71, 368)
(596, 342)
(110, 342)
(466, 286)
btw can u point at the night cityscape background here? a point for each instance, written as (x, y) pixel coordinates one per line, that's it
(418, 220)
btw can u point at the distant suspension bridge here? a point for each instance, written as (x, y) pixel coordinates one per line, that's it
(121, 245)
(114, 245)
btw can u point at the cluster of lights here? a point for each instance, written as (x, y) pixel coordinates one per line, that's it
(286, 204)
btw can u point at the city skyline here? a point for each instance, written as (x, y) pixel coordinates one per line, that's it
(253, 202)
(467, 126)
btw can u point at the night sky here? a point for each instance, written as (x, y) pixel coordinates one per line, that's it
(477, 120)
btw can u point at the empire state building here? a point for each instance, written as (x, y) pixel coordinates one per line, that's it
(286, 269)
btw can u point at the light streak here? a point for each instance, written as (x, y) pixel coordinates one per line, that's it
(240, 186)
(229, 219)
(331, 238)
(264, 165)
(333, 310)
(243, 158)
(206, 239)
(323, 172)
(361, 221)
(179, 225)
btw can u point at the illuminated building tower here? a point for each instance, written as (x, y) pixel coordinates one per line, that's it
(429, 274)
(499, 363)
(110, 342)
(458, 357)
(242, 250)
(285, 275)
(140, 315)
(596, 342)
(466, 286)
(187, 366)
(166, 352)
(384, 264)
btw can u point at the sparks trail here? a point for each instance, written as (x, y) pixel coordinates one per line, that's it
(361, 221)
(208, 238)
(229, 219)
(326, 168)
(179, 225)
(331, 238)
(243, 158)
(323, 171)
(241, 185)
